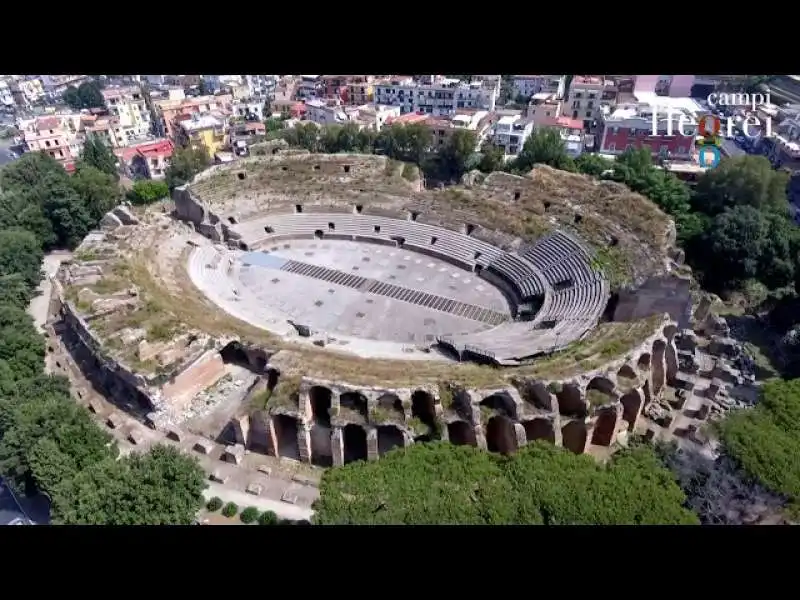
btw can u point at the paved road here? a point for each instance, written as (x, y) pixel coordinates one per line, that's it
(243, 500)
(5, 153)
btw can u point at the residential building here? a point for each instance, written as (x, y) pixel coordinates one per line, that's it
(27, 91)
(309, 87)
(375, 116)
(631, 126)
(261, 86)
(129, 106)
(531, 85)
(571, 132)
(202, 130)
(543, 108)
(328, 112)
(251, 109)
(55, 85)
(290, 108)
(360, 90)
(675, 86)
(148, 160)
(6, 97)
(443, 97)
(583, 100)
(510, 133)
(167, 110)
(479, 122)
(57, 135)
(239, 91)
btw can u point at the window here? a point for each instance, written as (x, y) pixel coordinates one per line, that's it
(612, 147)
(47, 143)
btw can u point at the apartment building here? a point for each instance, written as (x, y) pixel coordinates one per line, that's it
(444, 97)
(583, 100)
(56, 135)
(570, 130)
(631, 126)
(510, 133)
(261, 86)
(6, 97)
(167, 110)
(329, 112)
(147, 160)
(543, 108)
(309, 87)
(251, 109)
(129, 107)
(27, 91)
(290, 108)
(360, 90)
(375, 116)
(479, 121)
(528, 86)
(202, 130)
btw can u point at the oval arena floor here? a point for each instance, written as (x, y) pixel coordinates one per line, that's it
(383, 287)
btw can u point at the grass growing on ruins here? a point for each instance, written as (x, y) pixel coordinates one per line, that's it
(597, 398)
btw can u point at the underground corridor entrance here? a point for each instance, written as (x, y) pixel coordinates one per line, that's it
(235, 354)
(353, 404)
(355, 443)
(461, 433)
(500, 435)
(389, 438)
(604, 428)
(286, 436)
(422, 408)
(573, 436)
(631, 406)
(539, 429)
(502, 403)
(570, 403)
(321, 448)
(320, 399)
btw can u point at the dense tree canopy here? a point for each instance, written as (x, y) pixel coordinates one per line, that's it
(98, 155)
(443, 484)
(742, 181)
(48, 443)
(162, 487)
(87, 95)
(546, 147)
(148, 191)
(186, 163)
(765, 440)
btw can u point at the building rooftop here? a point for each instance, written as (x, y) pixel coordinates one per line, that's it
(197, 122)
(588, 80)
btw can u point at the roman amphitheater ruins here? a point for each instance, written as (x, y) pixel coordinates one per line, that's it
(327, 308)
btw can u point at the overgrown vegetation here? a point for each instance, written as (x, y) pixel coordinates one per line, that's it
(765, 440)
(443, 484)
(48, 443)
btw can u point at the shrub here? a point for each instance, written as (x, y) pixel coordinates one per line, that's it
(214, 504)
(268, 518)
(230, 510)
(147, 192)
(249, 515)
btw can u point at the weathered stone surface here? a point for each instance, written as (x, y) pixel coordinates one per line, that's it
(218, 477)
(265, 470)
(203, 446)
(175, 434)
(255, 489)
(113, 421)
(233, 454)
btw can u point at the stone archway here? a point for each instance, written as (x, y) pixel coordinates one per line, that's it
(570, 403)
(320, 399)
(574, 435)
(353, 405)
(461, 433)
(604, 428)
(389, 438)
(539, 429)
(392, 406)
(500, 435)
(355, 443)
(286, 436)
(632, 405)
(536, 394)
(600, 391)
(501, 403)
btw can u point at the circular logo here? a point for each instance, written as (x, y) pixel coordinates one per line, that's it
(709, 156)
(709, 126)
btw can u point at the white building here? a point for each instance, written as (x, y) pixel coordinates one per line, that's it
(129, 106)
(531, 85)
(261, 86)
(251, 109)
(442, 98)
(510, 133)
(329, 113)
(374, 116)
(6, 97)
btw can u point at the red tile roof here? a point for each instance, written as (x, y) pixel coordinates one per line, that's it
(569, 123)
(407, 119)
(47, 123)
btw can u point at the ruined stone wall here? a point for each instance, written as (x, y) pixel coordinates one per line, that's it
(668, 294)
(597, 408)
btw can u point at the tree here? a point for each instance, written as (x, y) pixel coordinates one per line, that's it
(742, 180)
(71, 98)
(21, 348)
(96, 154)
(162, 487)
(492, 158)
(90, 95)
(440, 483)
(546, 147)
(148, 191)
(186, 163)
(100, 192)
(458, 154)
(21, 254)
(764, 441)
(408, 143)
(593, 164)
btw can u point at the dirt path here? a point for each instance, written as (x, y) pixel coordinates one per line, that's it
(39, 305)
(243, 500)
